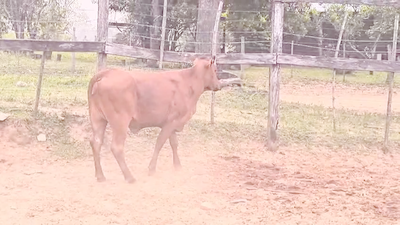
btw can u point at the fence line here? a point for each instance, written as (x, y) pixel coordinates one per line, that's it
(246, 32)
(223, 58)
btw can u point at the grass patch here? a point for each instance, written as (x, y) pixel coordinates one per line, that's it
(56, 90)
(240, 116)
(313, 126)
(258, 76)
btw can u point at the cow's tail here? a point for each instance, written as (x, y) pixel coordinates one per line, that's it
(93, 83)
(93, 87)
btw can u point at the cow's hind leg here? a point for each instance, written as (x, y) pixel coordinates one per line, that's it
(161, 139)
(120, 128)
(98, 127)
(173, 141)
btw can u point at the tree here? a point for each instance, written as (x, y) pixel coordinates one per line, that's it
(192, 21)
(145, 20)
(250, 20)
(3, 22)
(181, 25)
(207, 10)
(43, 19)
(155, 31)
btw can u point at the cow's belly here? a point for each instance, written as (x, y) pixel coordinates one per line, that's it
(148, 118)
(153, 118)
(155, 108)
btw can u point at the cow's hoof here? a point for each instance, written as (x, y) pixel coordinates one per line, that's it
(130, 180)
(101, 179)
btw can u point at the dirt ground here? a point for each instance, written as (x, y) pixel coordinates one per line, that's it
(293, 186)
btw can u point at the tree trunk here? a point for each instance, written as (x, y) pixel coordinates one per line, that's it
(141, 32)
(173, 44)
(375, 45)
(18, 28)
(155, 30)
(320, 39)
(205, 23)
(32, 31)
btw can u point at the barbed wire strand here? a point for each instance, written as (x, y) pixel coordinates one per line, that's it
(329, 49)
(268, 32)
(335, 39)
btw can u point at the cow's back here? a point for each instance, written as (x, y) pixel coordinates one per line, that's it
(149, 99)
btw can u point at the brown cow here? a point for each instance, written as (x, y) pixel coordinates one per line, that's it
(138, 99)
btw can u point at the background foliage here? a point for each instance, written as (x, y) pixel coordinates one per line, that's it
(314, 32)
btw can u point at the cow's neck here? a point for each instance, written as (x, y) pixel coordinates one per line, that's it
(195, 80)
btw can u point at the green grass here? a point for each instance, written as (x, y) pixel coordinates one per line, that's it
(259, 77)
(60, 86)
(300, 124)
(240, 114)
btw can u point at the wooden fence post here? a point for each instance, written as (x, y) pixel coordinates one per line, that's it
(102, 31)
(214, 53)
(163, 30)
(274, 75)
(243, 51)
(392, 57)
(334, 70)
(39, 84)
(344, 56)
(73, 53)
(389, 52)
(291, 52)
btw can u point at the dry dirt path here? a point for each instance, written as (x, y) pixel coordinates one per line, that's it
(296, 186)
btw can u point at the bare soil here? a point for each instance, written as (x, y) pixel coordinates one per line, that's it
(215, 186)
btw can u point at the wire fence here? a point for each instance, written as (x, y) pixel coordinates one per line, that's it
(242, 29)
(142, 26)
(254, 26)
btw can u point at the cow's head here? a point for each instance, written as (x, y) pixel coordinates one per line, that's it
(207, 70)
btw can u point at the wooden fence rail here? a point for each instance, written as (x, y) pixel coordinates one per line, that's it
(222, 58)
(339, 63)
(56, 46)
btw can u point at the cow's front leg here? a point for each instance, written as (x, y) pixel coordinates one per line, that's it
(173, 141)
(161, 139)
